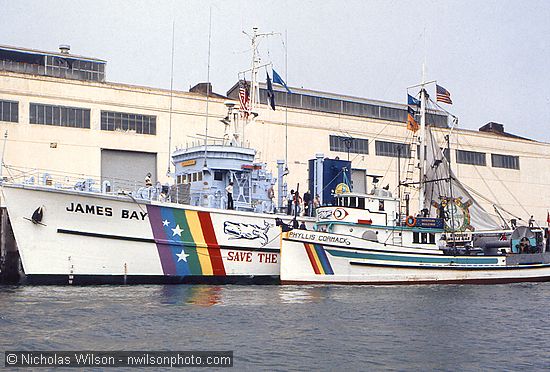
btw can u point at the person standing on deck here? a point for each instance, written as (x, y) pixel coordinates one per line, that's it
(229, 190)
(297, 201)
(289, 202)
(307, 204)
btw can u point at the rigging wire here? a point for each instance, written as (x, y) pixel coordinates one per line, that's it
(502, 183)
(492, 202)
(171, 100)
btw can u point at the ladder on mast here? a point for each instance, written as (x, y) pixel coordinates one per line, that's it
(409, 175)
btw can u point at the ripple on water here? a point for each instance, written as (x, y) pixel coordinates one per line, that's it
(504, 327)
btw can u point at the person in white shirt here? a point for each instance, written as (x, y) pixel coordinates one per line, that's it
(229, 190)
(442, 242)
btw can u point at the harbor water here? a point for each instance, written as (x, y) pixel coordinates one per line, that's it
(352, 328)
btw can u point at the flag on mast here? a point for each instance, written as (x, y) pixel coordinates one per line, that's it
(412, 101)
(411, 123)
(270, 93)
(244, 98)
(278, 80)
(443, 95)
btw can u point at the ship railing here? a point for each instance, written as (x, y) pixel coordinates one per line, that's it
(197, 142)
(86, 183)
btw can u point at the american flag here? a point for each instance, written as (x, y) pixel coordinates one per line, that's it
(244, 98)
(443, 95)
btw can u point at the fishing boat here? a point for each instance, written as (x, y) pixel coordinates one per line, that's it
(58, 229)
(367, 239)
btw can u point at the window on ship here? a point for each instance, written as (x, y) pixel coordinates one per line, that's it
(423, 238)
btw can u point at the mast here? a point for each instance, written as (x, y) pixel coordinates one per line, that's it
(171, 99)
(286, 102)
(205, 166)
(422, 154)
(256, 66)
(254, 91)
(451, 204)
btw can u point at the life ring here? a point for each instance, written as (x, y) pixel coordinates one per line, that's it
(410, 221)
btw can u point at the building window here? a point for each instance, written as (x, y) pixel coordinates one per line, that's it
(470, 157)
(62, 116)
(9, 111)
(72, 68)
(344, 106)
(393, 149)
(122, 121)
(353, 145)
(505, 161)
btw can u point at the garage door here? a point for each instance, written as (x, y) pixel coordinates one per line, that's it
(127, 170)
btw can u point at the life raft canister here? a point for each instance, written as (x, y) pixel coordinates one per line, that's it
(410, 221)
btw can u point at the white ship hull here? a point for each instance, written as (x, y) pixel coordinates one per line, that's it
(88, 238)
(315, 257)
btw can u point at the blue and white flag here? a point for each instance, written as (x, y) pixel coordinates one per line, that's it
(412, 101)
(277, 80)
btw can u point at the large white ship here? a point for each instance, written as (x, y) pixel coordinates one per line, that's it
(58, 230)
(75, 237)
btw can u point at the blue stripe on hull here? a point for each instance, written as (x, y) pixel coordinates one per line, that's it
(415, 259)
(452, 267)
(324, 259)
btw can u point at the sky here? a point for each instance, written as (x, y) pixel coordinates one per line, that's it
(493, 56)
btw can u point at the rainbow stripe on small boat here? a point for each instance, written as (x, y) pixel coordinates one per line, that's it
(318, 258)
(186, 242)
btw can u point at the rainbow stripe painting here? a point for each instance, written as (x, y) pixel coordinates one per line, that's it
(318, 258)
(186, 242)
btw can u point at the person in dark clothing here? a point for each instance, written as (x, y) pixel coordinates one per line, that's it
(307, 204)
(441, 211)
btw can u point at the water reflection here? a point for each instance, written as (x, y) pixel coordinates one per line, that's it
(205, 295)
(301, 294)
(199, 295)
(235, 295)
